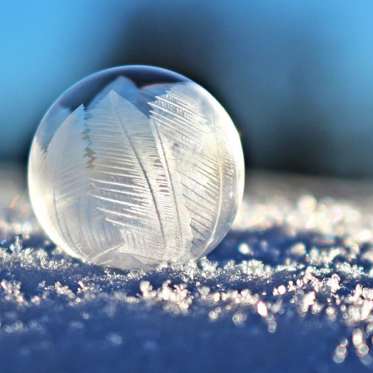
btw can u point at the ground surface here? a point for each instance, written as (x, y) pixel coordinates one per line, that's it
(290, 289)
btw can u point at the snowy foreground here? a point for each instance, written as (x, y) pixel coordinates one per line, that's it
(290, 289)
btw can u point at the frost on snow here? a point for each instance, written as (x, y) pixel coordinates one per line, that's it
(289, 289)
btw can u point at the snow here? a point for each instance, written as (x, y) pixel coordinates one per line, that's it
(290, 289)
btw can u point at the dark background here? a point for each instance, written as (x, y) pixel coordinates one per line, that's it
(296, 76)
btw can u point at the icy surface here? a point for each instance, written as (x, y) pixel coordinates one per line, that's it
(143, 169)
(290, 289)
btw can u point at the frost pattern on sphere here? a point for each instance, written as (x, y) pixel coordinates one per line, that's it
(136, 174)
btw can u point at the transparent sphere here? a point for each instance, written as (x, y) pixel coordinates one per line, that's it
(134, 166)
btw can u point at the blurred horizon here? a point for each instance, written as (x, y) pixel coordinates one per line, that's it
(296, 77)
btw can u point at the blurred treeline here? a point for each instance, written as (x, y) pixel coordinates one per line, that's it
(296, 76)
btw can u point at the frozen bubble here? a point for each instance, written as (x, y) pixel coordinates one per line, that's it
(135, 166)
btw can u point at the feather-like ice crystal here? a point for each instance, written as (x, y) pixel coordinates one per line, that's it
(135, 166)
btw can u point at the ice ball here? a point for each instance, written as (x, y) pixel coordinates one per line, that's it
(135, 166)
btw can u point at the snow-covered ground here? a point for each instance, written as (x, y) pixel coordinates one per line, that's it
(290, 289)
